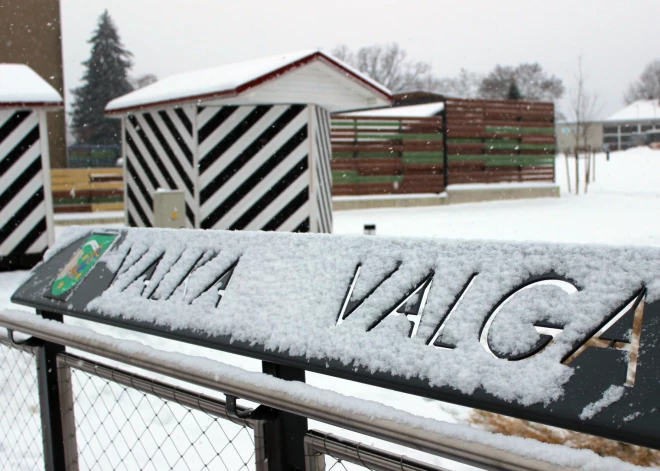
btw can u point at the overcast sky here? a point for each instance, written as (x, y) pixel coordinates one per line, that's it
(615, 38)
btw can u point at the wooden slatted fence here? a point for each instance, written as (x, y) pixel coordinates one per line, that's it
(498, 141)
(386, 155)
(87, 190)
(487, 141)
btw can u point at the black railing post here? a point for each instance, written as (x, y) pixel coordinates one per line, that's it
(49, 401)
(445, 157)
(285, 436)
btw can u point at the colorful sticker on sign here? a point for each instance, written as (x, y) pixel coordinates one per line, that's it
(82, 261)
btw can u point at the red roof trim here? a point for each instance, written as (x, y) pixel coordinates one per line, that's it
(35, 104)
(252, 84)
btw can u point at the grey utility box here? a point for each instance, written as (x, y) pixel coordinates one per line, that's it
(170, 209)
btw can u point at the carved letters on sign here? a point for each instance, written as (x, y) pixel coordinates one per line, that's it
(601, 339)
(412, 305)
(213, 291)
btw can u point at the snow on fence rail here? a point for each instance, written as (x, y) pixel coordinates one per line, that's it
(559, 334)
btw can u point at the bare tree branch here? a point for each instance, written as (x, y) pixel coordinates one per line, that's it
(389, 65)
(647, 86)
(532, 81)
(583, 108)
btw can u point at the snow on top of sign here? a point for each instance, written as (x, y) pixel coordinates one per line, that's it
(294, 391)
(20, 84)
(67, 237)
(287, 290)
(411, 111)
(216, 80)
(639, 110)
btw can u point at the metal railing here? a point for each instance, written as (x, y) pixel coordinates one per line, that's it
(127, 421)
(320, 447)
(115, 419)
(97, 402)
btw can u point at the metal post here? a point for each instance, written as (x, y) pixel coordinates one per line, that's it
(285, 450)
(445, 157)
(68, 415)
(314, 460)
(49, 401)
(260, 458)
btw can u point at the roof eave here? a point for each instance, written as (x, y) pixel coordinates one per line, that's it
(192, 100)
(42, 105)
(250, 85)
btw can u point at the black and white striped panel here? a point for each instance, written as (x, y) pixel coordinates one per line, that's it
(23, 219)
(254, 167)
(323, 176)
(159, 149)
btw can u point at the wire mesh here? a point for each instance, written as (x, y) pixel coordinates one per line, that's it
(21, 445)
(328, 452)
(118, 427)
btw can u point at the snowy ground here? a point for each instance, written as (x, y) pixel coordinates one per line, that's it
(618, 209)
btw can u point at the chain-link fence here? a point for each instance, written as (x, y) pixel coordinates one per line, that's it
(126, 421)
(112, 419)
(327, 452)
(21, 445)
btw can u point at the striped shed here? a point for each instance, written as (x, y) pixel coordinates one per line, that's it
(247, 143)
(26, 206)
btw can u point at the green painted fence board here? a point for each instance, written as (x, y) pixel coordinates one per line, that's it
(352, 124)
(95, 200)
(517, 130)
(380, 178)
(461, 140)
(400, 136)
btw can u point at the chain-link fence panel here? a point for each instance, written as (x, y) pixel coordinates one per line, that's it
(119, 427)
(328, 452)
(21, 444)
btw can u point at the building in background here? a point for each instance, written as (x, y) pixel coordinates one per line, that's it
(629, 126)
(30, 34)
(248, 142)
(26, 207)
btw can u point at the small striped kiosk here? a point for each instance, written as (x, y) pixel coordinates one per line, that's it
(248, 143)
(26, 206)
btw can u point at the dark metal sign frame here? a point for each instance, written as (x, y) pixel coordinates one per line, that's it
(634, 419)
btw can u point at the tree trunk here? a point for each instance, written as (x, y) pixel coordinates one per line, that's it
(568, 173)
(577, 171)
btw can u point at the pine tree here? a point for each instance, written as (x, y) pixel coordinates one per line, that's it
(514, 92)
(105, 78)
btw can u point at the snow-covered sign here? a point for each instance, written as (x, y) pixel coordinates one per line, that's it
(567, 335)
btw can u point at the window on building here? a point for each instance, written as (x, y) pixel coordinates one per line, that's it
(610, 130)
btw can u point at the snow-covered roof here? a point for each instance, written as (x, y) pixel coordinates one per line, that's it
(20, 86)
(239, 79)
(411, 111)
(640, 110)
